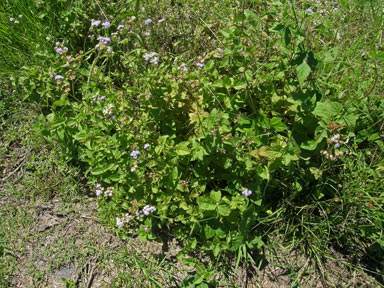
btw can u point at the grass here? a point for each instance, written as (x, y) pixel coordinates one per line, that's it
(330, 237)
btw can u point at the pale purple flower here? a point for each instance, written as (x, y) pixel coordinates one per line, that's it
(98, 98)
(161, 20)
(246, 192)
(119, 27)
(20, 16)
(11, 19)
(59, 77)
(148, 210)
(200, 65)
(106, 24)
(146, 146)
(95, 22)
(150, 56)
(309, 11)
(148, 21)
(184, 67)
(104, 40)
(337, 145)
(134, 154)
(119, 222)
(59, 50)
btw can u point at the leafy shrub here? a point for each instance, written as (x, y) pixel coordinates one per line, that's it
(204, 137)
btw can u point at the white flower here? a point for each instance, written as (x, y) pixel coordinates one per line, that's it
(155, 60)
(119, 222)
(109, 192)
(20, 16)
(146, 146)
(161, 20)
(133, 18)
(246, 192)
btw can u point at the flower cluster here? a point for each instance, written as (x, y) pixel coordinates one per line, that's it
(15, 20)
(331, 156)
(59, 77)
(133, 167)
(95, 23)
(152, 57)
(246, 192)
(102, 191)
(59, 81)
(200, 63)
(103, 44)
(106, 24)
(60, 48)
(183, 67)
(335, 140)
(134, 154)
(147, 210)
(98, 98)
(104, 40)
(125, 219)
(309, 11)
(109, 112)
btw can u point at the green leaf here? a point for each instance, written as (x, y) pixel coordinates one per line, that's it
(239, 84)
(255, 243)
(277, 124)
(248, 75)
(216, 195)
(182, 148)
(328, 110)
(223, 209)
(303, 71)
(309, 145)
(209, 232)
(249, 14)
(226, 33)
(206, 203)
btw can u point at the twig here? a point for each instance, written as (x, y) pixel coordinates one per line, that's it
(91, 273)
(17, 169)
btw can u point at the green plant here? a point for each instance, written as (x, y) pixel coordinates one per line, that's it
(214, 138)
